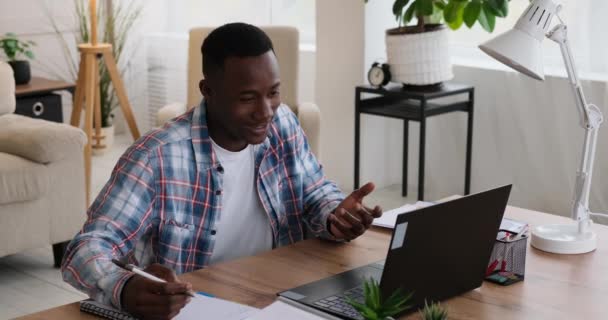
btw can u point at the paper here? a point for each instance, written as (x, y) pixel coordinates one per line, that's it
(389, 218)
(280, 310)
(203, 307)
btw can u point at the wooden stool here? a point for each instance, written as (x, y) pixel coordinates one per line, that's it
(87, 91)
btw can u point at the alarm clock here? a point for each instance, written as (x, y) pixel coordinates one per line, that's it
(379, 74)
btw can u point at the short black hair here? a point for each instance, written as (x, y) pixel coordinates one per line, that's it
(233, 40)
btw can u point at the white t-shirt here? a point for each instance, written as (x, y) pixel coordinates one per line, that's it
(243, 228)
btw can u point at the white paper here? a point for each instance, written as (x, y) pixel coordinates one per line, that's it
(203, 307)
(389, 218)
(280, 310)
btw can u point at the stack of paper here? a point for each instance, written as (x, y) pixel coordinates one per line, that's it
(202, 307)
(389, 218)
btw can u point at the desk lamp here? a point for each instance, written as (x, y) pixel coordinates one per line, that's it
(520, 49)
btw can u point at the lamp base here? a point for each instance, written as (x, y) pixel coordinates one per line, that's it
(563, 239)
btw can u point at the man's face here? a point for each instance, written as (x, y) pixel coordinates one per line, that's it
(242, 99)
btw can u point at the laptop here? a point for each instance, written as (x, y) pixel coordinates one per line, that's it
(436, 252)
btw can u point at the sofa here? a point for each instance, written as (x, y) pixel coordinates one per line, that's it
(286, 42)
(42, 197)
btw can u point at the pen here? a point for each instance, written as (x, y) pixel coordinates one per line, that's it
(138, 271)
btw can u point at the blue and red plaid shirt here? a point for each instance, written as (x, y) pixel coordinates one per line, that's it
(165, 195)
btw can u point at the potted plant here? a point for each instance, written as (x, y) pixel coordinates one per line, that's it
(377, 308)
(116, 20)
(433, 311)
(14, 49)
(419, 54)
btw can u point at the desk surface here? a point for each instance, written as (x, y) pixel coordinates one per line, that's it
(556, 286)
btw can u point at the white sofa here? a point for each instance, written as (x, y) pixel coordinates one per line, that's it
(42, 199)
(286, 46)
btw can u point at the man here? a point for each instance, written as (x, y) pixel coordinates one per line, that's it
(230, 178)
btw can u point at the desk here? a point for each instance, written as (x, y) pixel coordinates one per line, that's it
(556, 286)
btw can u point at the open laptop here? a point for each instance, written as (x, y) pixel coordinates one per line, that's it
(436, 252)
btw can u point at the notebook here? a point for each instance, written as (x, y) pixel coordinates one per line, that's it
(98, 309)
(212, 308)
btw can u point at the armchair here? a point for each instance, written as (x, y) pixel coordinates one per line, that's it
(42, 198)
(286, 46)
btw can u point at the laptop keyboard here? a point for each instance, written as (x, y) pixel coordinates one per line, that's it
(339, 304)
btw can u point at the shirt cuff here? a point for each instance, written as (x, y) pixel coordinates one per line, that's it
(325, 212)
(113, 284)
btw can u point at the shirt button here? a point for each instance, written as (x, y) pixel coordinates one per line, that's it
(218, 192)
(220, 169)
(213, 232)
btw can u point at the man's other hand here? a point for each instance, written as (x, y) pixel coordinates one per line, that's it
(351, 218)
(147, 299)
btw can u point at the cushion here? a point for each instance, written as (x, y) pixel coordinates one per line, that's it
(39, 140)
(22, 179)
(7, 89)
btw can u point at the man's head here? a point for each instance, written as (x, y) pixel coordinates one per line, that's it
(241, 84)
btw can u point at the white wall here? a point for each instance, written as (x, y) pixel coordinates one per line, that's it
(340, 47)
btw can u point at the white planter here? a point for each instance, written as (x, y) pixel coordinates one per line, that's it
(108, 141)
(419, 58)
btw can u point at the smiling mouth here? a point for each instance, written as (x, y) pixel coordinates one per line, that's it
(261, 129)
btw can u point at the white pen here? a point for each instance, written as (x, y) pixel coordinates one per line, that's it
(138, 271)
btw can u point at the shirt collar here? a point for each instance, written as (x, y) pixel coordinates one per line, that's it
(201, 142)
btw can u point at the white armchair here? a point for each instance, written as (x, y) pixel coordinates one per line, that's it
(42, 198)
(286, 46)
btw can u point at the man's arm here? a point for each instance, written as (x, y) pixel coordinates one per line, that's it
(119, 216)
(321, 196)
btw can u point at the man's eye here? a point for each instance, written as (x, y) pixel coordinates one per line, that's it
(247, 99)
(274, 93)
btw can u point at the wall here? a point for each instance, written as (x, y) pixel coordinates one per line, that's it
(340, 47)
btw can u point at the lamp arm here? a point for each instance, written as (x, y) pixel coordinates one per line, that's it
(590, 118)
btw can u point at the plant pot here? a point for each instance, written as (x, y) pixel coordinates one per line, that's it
(419, 58)
(21, 71)
(108, 141)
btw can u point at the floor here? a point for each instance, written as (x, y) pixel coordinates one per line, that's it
(28, 281)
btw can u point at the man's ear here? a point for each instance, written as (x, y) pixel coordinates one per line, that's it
(203, 86)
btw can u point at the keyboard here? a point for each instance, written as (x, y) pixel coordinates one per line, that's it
(339, 303)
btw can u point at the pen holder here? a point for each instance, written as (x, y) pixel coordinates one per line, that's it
(508, 261)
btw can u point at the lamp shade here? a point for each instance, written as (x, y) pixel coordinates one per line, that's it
(521, 47)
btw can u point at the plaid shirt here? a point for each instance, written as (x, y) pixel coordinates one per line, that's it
(165, 195)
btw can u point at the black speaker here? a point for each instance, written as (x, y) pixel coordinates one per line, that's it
(47, 107)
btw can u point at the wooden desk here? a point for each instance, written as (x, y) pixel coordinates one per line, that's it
(556, 286)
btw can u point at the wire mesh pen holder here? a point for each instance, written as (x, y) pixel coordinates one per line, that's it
(508, 261)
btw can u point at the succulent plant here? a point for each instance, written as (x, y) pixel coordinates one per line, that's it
(377, 308)
(434, 311)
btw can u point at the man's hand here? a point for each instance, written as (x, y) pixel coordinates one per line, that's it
(351, 218)
(147, 299)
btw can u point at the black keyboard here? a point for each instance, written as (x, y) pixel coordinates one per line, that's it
(339, 304)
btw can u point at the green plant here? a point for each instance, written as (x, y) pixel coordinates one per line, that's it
(13, 47)
(115, 21)
(376, 308)
(434, 311)
(455, 13)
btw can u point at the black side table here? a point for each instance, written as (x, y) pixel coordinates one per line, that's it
(37, 100)
(414, 104)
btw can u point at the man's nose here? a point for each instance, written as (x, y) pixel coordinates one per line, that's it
(265, 111)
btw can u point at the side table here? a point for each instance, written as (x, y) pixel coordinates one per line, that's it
(414, 104)
(37, 100)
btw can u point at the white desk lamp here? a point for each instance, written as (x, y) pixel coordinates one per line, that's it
(520, 49)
